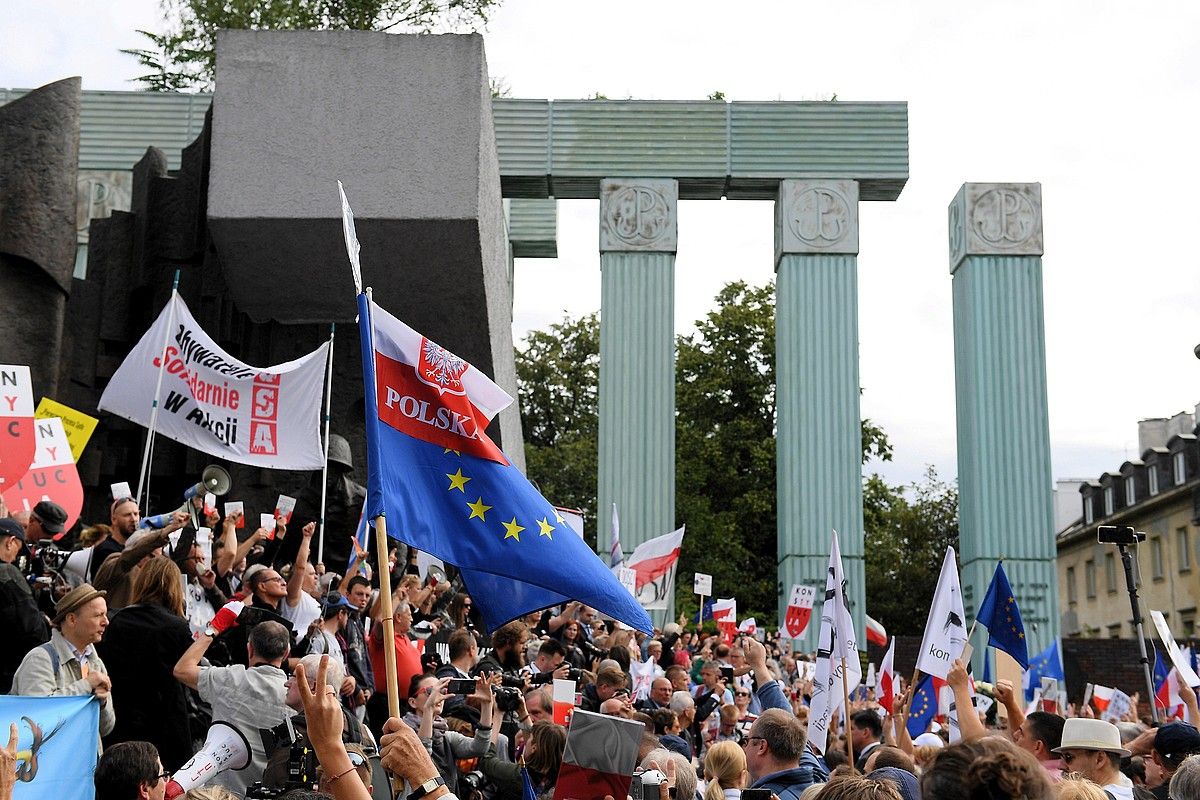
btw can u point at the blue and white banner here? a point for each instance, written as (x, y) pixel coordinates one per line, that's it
(58, 738)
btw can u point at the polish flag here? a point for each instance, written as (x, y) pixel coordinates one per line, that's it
(1101, 695)
(748, 625)
(653, 559)
(725, 615)
(887, 679)
(1167, 696)
(876, 633)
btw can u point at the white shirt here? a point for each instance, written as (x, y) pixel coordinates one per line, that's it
(1120, 792)
(251, 700)
(304, 613)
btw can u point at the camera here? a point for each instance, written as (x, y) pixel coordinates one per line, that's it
(1119, 534)
(645, 783)
(508, 698)
(590, 651)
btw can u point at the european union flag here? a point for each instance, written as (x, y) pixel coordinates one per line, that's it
(527, 790)
(57, 741)
(448, 490)
(999, 614)
(924, 707)
(1045, 664)
(706, 612)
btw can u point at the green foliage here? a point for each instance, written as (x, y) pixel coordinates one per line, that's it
(725, 437)
(183, 55)
(717, 95)
(905, 540)
(558, 378)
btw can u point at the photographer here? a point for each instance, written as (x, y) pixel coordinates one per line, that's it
(426, 697)
(549, 664)
(506, 659)
(542, 755)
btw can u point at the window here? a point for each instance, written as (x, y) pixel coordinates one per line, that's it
(1156, 558)
(1108, 500)
(1088, 516)
(1180, 469)
(1114, 631)
(1187, 618)
(1110, 572)
(1071, 596)
(1130, 491)
(1152, 478)
(1089, 578)
(1183, 549)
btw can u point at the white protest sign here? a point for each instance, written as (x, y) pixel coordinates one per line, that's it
(1118, 706)
(236, 507)
(210, 503)
(262, 416)
(267, 523)
(628, 579)
(1186, 673)
(121, 490)
(204, 540)
(702, 584)
(17, 440)
(284, 507)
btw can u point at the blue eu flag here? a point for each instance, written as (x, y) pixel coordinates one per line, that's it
(448, 490)
(924, 707)
(999, 614)
(57, 741)
(704, 613)
(1045, 664)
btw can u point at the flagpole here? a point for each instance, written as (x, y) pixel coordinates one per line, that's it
(846, 716)
(325, 463)
(144, 471)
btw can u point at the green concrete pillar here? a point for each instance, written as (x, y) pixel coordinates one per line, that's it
(1006, 507)
(638, 237)
(818, 439)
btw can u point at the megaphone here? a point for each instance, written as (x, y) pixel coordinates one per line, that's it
(224, 749)
(163, 520)
(214, 479)
(435, 574)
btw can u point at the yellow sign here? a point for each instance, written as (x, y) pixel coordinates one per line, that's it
(78, 426)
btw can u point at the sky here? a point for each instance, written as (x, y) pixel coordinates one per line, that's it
(1097, 101)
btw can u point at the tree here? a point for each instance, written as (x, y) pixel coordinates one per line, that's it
(183, 55)
(905, 541)
(724, 440)
(558, 379)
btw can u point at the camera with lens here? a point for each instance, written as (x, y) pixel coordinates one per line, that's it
(508, 698)
(301, 772)
(645, 783)
(590, 651)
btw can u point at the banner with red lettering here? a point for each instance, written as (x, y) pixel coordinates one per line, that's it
(17, 442)
(262, 416)
(52, 476)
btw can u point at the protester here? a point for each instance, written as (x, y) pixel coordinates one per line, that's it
(141, 646)
(777, 758)
(124, 517)
(130, 771)
(325, 636)
(119, 570)
(725, 772)
(990, 767)
(24, 625)
(542, 756)
(1167, 747)
(68, 664)
(248, 698)
(866, 733)
(358, 660)
(608, 681)
(1092, 747)
(408, 664)
(1185, 783)
(298, 606)
(426, 696)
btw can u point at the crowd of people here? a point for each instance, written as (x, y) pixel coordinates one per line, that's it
(172, 631)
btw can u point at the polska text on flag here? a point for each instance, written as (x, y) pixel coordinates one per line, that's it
(945, 631)
(448, 490)
(838, 668)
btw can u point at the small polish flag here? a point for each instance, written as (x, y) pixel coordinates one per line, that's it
(876, 633)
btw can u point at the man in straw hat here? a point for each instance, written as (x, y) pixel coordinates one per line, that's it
(68, 664)
(1092, 747)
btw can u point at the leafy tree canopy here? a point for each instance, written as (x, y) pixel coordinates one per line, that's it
(183, 55)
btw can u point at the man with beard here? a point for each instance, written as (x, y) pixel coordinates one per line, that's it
(125, 516)
(507, 658)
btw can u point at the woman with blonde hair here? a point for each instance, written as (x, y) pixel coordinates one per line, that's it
(725, 771)
(1074, 787)
(140, 648)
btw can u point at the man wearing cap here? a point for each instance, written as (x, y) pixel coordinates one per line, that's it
(1167, 746)
(125, 517)
(325, 637)
(46, 521)
(68, 664)
(1092, 747)
(24, 625)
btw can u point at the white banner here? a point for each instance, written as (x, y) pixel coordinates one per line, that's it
(1177, 658)
(655, 561)
(945, 631)
(836, 646)
(266, 417)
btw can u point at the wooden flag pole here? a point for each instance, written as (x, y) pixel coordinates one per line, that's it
(846, 715)
(389, 625)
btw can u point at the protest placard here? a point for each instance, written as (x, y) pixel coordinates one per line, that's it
(78, 425)
(17, 439)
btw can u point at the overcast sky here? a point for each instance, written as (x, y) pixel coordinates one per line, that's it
(1096, 100)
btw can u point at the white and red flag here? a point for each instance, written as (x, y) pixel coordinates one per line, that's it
(615, 556)
(876, 633)
(654, 561)
(724, 613)
(888, 685)
(799, 610)
(748, 625)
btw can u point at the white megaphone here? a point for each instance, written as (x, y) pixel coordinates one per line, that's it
(225, 748)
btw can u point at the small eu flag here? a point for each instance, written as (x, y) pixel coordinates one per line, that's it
(924, 707)
(1045, 664)
(999, 614)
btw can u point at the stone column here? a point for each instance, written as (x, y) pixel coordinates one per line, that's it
(1006, 508)
(638, 238)
(818, 438)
